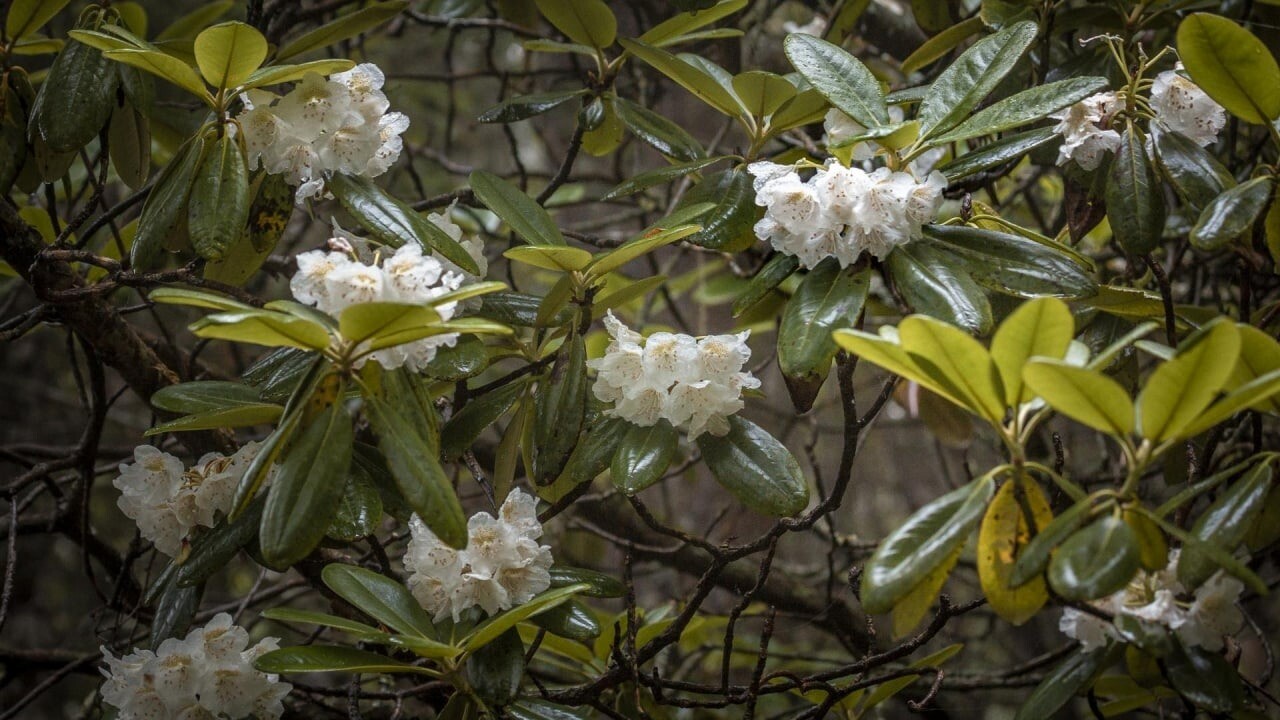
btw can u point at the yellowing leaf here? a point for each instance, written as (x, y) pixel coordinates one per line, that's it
(1002, 536)
(911, 609)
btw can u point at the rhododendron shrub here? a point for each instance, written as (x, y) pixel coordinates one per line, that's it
(654, 359)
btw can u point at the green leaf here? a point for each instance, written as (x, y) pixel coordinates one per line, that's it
(1036, 555)
(523, 107)
(727, 226)
(228, 53)
(588, 22)
(688, 76)
(1096, 561)
(957, 361)
(373, 320)
(561, 402)
(75, 99)
(931, 285)
(840, 77)
(1022, 108)
(241, 416)
(1042, 327)
(165, 207)
(1250, 395)
(218, 207)
(275, 443)
(772, 274)
(213, 549)
(571, 620)
(494, 671)
(643, 455)
(467, 358)
(129, 145)
(1084, 395)
(1135, 201)
(359, 510)
(283, 614)
(526, 218)
(379, 597)
(598, 585)
(27, 16)
(479, 413)
(278, 74)
(807, 107)
(166, 67)
(346, 26)
(1065, 681)
(304, 496)
(1230, 215)
(332, 658)
(658, 132)
(659, 176)
(605, 263)
(891, 356)
(827, 298)
(762, 92)
(968, 80)
(263, 327)
(490, 629)
(1225, 524)
(686, 22)
(550, 257)
(941, 44)
(995, 154)
(1011, 264)
(1194, 172)
(204, 396)
(186, 26)
(756, 468)
(1180, 389)
(1233, 66)
(415, 465)
(175, 609)
(1204, 678)
(393, 222)
(594, 451)
(922, 543)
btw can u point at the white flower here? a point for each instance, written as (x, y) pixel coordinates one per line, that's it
(352, 284)
(168, 502)
(322, 127)
(842, 212)
(1158, 598)
(1181, 106)
(207, 674)
(1086, 130)
(693, 384)
(502, 566)
(815, 27)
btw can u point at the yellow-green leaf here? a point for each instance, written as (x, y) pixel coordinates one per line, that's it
(588, 22)
(957, 362)
(229, 52)
(1038, 328)
(1232, 65)
(166, 67)
(1180, 389)
(1084, 395)
(28, 16)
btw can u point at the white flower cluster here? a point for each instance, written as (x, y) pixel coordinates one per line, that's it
(321, 127)
(1086, 130)
(167, 501)
(502, 566)
(693, 384)
(1181, 106)
(209, 674)
(351, 273)
(842, 211)
(1202, 620)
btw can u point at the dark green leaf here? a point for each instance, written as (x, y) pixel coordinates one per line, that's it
(1022, 108)
(479, 413)
(1035, 557)
(756, 468)
(829, 297)
(931, 286)
(1067, 680)
(513, 308)
(571, 620)
(345, 26)
(561, 404)
(494, 671)
(489, 630)
(174, 612)
(840, 77)
(1225, 524)
(526, 218)
(658, 132)
(381, 598)
(75, 99)
(359, 510)
(212, 550)
(165, 206)
(1230, 215)
(771, 275)
(1205, 679)
(523, 107)
(968, 80)
(643, 455)
(415, 465)
(393, 222)
(1192, 170)
(129, 144)
(304, 496)
(728, 225)
(1135, 202)
(595, 450)
(921, 544)
(1096, 561)
(467, 357)
(1012, 264)
(659, 176)
(596, 584)
(218, 208)
(1006, 149)
(331, 658)
(539, 709)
